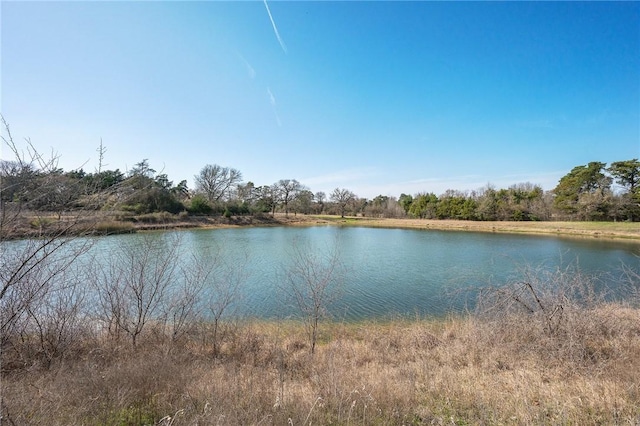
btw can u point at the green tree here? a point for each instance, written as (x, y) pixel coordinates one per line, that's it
(266, 199)
(405, 201)
(424, 206)
(200, 205)
(98, 182)
(162, 181)
(522, 200)
(377, 206)
(142, 169)
(181, 190)
(627, 175)
(456, 205)
(488, 203)
(579, 181)
(146, 193)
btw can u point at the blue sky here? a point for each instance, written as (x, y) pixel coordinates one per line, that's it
(376, 97)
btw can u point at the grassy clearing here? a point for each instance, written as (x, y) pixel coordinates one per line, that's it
(472, 370)
(617, 230)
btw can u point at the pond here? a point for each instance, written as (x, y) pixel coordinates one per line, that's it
(390, 272)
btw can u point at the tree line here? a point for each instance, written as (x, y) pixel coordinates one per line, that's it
(587, 192)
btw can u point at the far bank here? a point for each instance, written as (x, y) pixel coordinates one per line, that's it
(614, 230)
(102, 223)
(609, 230)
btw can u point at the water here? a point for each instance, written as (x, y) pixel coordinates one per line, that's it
(386, 272)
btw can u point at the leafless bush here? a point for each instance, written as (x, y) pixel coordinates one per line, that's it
(34, 270)
(183, 309)
(311, 282)
(631, 282)
(225, 291)
(31, 269)
(58, 323)
(133, 283)
(149, 280)
(562, 313)
(546, 296)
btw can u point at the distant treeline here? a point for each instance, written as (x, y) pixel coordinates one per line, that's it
(587, 192)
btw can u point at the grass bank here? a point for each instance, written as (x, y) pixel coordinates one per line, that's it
(467, 370)
(31, 225)
(612, 230)
(37, 224)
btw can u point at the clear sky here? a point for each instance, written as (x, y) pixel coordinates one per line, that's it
(376, 97)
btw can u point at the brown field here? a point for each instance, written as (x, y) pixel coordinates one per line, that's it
(458, 371)
(564, 362)
(617, 230)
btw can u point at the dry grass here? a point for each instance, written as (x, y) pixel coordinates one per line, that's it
(30, 224)
(474, 370)
(610, 230)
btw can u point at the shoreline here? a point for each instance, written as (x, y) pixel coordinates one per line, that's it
(109, 225)
(619, 231)
(626, 231)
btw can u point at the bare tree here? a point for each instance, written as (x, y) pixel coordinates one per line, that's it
(31, 268)
(271, 197)
(312, 282)
(216, 182)
(342, 197)
(135, 284)
(320, 197)
(184, 303)
(148, 280)
(288, 190)
(56, 323)
(209, 289)
(225, 291)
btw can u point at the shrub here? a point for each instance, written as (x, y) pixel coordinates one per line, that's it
(113, 227)
(160, 217)
(560, 313)
(41, 222)
(199, 205)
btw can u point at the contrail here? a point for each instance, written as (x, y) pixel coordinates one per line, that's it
(275, 29)
(272, 100)
(250, 70)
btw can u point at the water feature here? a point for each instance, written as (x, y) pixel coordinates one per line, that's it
(389, 271)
